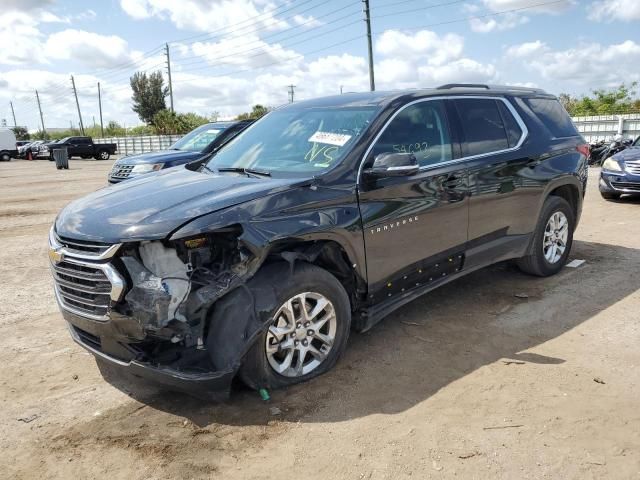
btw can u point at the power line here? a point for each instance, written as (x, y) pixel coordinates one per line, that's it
(262, 40)
(218, 31)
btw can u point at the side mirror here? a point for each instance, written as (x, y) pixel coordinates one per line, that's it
(393, 165)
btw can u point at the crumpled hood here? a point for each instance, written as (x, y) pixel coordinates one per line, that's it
(152, 206)
(631, 153)
(163, 156)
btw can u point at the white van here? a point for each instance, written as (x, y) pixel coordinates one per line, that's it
(7, 145)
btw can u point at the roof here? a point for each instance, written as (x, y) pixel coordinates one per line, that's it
(381, 98)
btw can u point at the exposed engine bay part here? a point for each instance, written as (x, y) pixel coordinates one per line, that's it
(163, 262)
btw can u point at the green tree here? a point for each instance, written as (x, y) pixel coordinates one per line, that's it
(148, 96)
(114, 129)
(167, 122)
(21, 133)
(603, 101)
(256, 112)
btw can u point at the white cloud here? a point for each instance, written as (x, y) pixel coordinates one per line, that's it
(588, 65)
(504, 22)
(517, 13)
(614, 10)
(207, 16)
(426, 59)
(525, 50)
(245, 51)
(308, 21)
(89, 48)
(533, 6)
(425, 44)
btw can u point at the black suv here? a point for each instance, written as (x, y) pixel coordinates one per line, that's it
(324, 216)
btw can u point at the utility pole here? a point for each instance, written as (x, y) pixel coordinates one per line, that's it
(341, 89)
(75, 92)
(291, 93)
(100, 107)
(14, 114)
(169, 75)
(367, 19)
(44, 132)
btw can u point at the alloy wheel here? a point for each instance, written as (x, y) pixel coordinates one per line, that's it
(302, 334)
(556, 235)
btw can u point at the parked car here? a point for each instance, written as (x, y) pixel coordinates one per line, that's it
(82, 147)
(322, 217)
(7, 145)
(195, 145)
(33, 147)
(620, 173)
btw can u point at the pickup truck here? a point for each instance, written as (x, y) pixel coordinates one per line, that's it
(82, 147)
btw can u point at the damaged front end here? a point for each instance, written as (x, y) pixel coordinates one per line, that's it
(156, 324)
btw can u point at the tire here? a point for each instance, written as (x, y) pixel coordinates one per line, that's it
(537, 263)
(103, 155)
(610, 196)
(258, 371)
(5, 157)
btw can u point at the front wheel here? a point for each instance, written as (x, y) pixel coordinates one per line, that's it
(552, 239)
(308, 331)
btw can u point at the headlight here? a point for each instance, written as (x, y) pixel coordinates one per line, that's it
(611, 164)
(147, 167)
(44, 148)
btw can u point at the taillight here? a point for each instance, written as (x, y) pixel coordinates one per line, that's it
(584, 149)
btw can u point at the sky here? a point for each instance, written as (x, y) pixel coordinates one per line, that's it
(227, 55)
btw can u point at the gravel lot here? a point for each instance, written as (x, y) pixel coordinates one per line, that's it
(498, 375)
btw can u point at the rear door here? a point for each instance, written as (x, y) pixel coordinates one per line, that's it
(415, 227)
(500, 200)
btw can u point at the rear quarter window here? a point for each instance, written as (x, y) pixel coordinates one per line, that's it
(554, 116)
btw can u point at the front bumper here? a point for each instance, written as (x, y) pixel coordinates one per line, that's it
(619, 182)
(125, 371)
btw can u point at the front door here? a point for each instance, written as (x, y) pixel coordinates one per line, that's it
(415, 227)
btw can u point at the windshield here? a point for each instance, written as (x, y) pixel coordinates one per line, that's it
(296, 141)
(199, 139)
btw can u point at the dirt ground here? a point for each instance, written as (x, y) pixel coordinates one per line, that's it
(498, 375)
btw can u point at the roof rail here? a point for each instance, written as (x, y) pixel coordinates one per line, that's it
(490, 87)
(462, 85)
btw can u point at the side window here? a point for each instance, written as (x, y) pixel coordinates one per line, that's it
(514, 132)
(554, 116)
(420, 129)
(482, 125)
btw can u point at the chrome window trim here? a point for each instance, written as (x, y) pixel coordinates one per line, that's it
(510, 107)
(54, 243)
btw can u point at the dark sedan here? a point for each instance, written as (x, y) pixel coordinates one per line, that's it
(193, 146)
(621, 173)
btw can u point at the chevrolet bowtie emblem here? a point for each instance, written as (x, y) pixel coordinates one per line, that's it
(55, 256)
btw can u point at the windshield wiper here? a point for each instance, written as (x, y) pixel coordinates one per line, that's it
(246, 171)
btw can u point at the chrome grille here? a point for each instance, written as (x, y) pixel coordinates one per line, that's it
(82, 247)
(626, 186)
(85, 284)
(633, 167)
(84, 288)
(121, 171)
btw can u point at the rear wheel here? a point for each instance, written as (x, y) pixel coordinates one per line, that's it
(552, 240)
(103, 155)
(610, 196)
(5, 157)
(308, 331)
